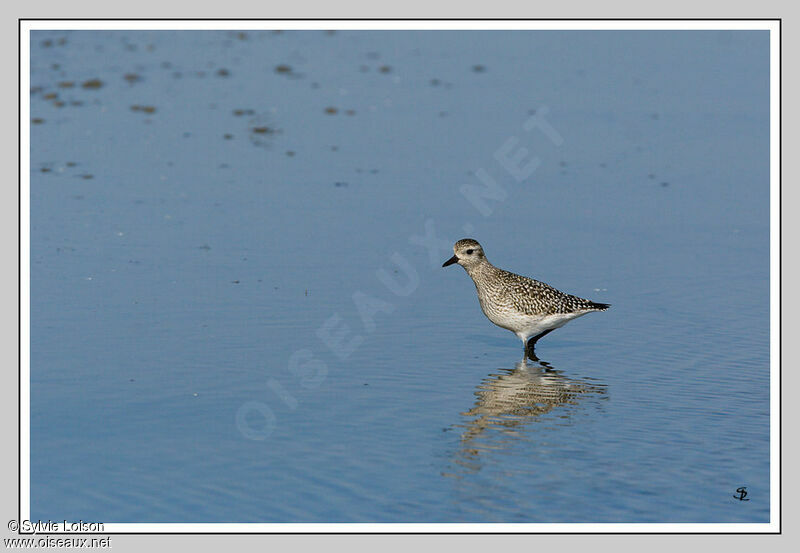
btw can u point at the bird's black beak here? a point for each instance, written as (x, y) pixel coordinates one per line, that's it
(450, 261)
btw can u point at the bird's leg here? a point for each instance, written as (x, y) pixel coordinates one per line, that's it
(535, 338)
(531, 345)
(528, 352)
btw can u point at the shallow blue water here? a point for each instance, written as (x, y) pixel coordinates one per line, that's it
(238, 309)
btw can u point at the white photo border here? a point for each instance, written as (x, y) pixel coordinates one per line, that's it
(771, 25)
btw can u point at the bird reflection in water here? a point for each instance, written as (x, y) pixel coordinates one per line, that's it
(509, 401)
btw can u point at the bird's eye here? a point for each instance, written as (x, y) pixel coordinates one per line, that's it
(469, 252)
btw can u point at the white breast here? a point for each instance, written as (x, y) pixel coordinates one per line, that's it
(525, 326)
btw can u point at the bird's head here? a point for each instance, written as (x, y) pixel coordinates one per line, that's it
(468, 253)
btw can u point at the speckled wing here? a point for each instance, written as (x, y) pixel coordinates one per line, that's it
(537, 298)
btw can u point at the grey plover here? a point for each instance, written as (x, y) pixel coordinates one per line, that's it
(528, 308)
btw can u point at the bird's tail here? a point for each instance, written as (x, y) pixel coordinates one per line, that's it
(599, 306)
